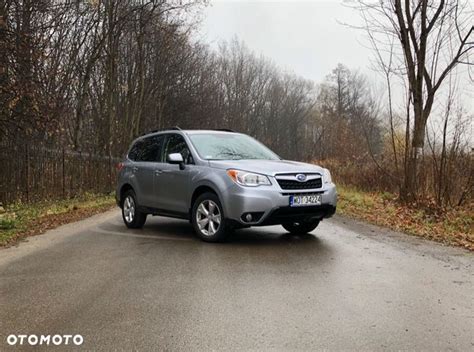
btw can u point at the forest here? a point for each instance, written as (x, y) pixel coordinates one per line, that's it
(79, 80)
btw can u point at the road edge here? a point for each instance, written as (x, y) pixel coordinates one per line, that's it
(32, 244)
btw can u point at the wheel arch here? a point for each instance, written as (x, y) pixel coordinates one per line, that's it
(201, 189)
(125, 187)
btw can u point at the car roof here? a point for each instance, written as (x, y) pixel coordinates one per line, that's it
(189, 132)
(207, 131)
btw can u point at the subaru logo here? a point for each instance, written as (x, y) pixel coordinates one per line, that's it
(301, 177)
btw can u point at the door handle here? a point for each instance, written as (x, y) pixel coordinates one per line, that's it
(158, 172)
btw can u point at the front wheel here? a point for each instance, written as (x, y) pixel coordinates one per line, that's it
(300, 228)
(208, 218)
(132, 217)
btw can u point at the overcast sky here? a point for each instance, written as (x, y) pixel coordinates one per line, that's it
(305, 37)
(308, 37)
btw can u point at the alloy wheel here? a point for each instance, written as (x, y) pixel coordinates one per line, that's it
(129, 209)
(208, 217)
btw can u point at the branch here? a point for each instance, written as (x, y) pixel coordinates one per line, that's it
(461, 51)
(405, 41)
(411, 28)
(435, 17)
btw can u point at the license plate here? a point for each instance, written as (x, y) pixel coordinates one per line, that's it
(305, 200)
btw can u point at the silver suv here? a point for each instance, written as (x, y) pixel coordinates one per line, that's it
(220, 180)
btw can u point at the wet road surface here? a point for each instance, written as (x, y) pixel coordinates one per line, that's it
(346, 286)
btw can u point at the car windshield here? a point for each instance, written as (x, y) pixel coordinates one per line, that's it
(230, 146)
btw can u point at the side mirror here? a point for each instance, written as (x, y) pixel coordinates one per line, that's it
(176, 158)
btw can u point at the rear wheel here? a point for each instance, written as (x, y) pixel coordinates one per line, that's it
(300, 228)
(132, 217)
(208, 218)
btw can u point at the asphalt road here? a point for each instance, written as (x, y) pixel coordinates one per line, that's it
(348, 286)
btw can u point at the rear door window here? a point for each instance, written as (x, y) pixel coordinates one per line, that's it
(149, 149)
(152, 149)
(135, 151)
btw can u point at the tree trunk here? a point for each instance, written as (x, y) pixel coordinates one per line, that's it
(411, 186)
(4, 116)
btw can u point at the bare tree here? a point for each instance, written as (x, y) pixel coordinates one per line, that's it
(433, 38)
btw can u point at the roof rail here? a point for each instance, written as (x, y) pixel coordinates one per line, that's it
(223, 129)
(175, 128)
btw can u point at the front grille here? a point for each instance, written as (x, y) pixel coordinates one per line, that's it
(310, 184)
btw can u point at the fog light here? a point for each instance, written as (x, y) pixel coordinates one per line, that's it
(248, 217)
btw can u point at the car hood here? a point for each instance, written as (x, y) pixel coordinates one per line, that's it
(267, 167)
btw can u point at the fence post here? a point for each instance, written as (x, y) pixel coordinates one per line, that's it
(80, 172)
(27, 157)
(109, 186)
(63, 175)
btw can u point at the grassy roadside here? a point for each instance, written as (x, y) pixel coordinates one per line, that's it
(452, 227)
(20, 220)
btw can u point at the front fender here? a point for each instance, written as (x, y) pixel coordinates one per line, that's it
(217, 180)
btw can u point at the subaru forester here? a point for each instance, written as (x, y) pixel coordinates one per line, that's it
(220, 180)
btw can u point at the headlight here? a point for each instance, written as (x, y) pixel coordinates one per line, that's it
(250, 179)
(327, 176)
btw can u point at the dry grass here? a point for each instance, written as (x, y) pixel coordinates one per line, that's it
(451, 226)
(19, 220)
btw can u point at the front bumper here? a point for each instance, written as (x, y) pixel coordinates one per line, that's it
(298, 214)
(270, 204)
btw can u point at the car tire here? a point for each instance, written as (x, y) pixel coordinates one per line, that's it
(300, 228)
(132, 217)
(207, 217)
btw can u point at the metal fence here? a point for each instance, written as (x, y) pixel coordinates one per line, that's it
(30, 173)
